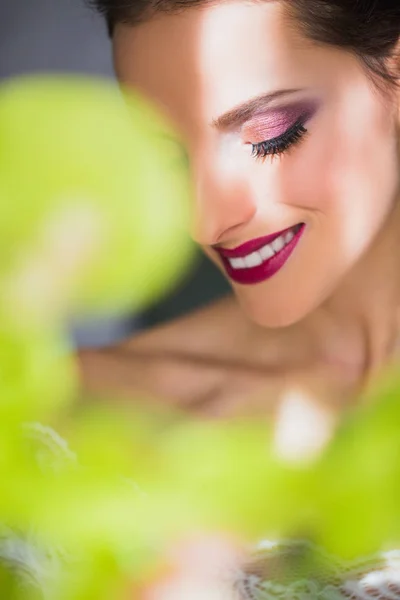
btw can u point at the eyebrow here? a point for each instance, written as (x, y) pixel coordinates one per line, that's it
(243, 112)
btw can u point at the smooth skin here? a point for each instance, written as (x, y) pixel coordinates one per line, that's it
(329, 319)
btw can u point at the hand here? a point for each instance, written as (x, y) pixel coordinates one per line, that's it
(200, 568)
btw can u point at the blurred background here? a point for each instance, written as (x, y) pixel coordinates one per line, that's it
(66, 36)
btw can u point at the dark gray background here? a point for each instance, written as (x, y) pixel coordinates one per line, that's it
(64, 35)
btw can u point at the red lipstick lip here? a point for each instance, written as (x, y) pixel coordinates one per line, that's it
(268, 268)
(252, 245)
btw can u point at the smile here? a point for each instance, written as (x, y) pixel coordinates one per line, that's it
(258, 260)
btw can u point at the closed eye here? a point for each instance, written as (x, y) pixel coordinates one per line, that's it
(281, 144)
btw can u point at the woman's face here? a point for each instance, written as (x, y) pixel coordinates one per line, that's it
(292, 148)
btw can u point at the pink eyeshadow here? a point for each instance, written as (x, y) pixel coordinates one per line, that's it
(274, 122)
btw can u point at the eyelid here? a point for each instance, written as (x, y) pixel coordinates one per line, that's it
(276, 138)
(272, 124)
(281, 144)
(261, 131)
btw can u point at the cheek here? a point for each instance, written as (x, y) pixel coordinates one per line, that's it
(346, 174)
(363, 177)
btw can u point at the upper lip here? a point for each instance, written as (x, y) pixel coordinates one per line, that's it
(252, 245)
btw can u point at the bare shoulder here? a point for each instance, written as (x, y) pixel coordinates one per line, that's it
(211, 361)
(199, 331)
(178, 361)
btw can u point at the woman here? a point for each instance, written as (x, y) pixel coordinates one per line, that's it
(289, 111)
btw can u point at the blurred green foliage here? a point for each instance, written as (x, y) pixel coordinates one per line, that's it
(95, 202)
(93, 218)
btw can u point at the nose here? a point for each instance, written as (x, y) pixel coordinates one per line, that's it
(222, 209)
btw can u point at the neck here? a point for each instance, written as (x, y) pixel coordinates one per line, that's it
(360, 322)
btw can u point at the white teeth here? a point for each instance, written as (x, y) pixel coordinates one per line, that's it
(267, 252)
(278, 244)
(289, 236)
(237, 263)
(253, 260)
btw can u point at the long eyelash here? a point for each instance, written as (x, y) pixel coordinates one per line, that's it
(280, 144)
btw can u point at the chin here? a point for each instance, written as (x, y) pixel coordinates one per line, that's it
(276, 316)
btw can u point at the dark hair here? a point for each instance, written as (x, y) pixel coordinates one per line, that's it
(368, 28)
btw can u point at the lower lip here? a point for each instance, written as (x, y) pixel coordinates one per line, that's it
(253, 275)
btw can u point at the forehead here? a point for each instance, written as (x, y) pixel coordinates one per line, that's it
(204, 61)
